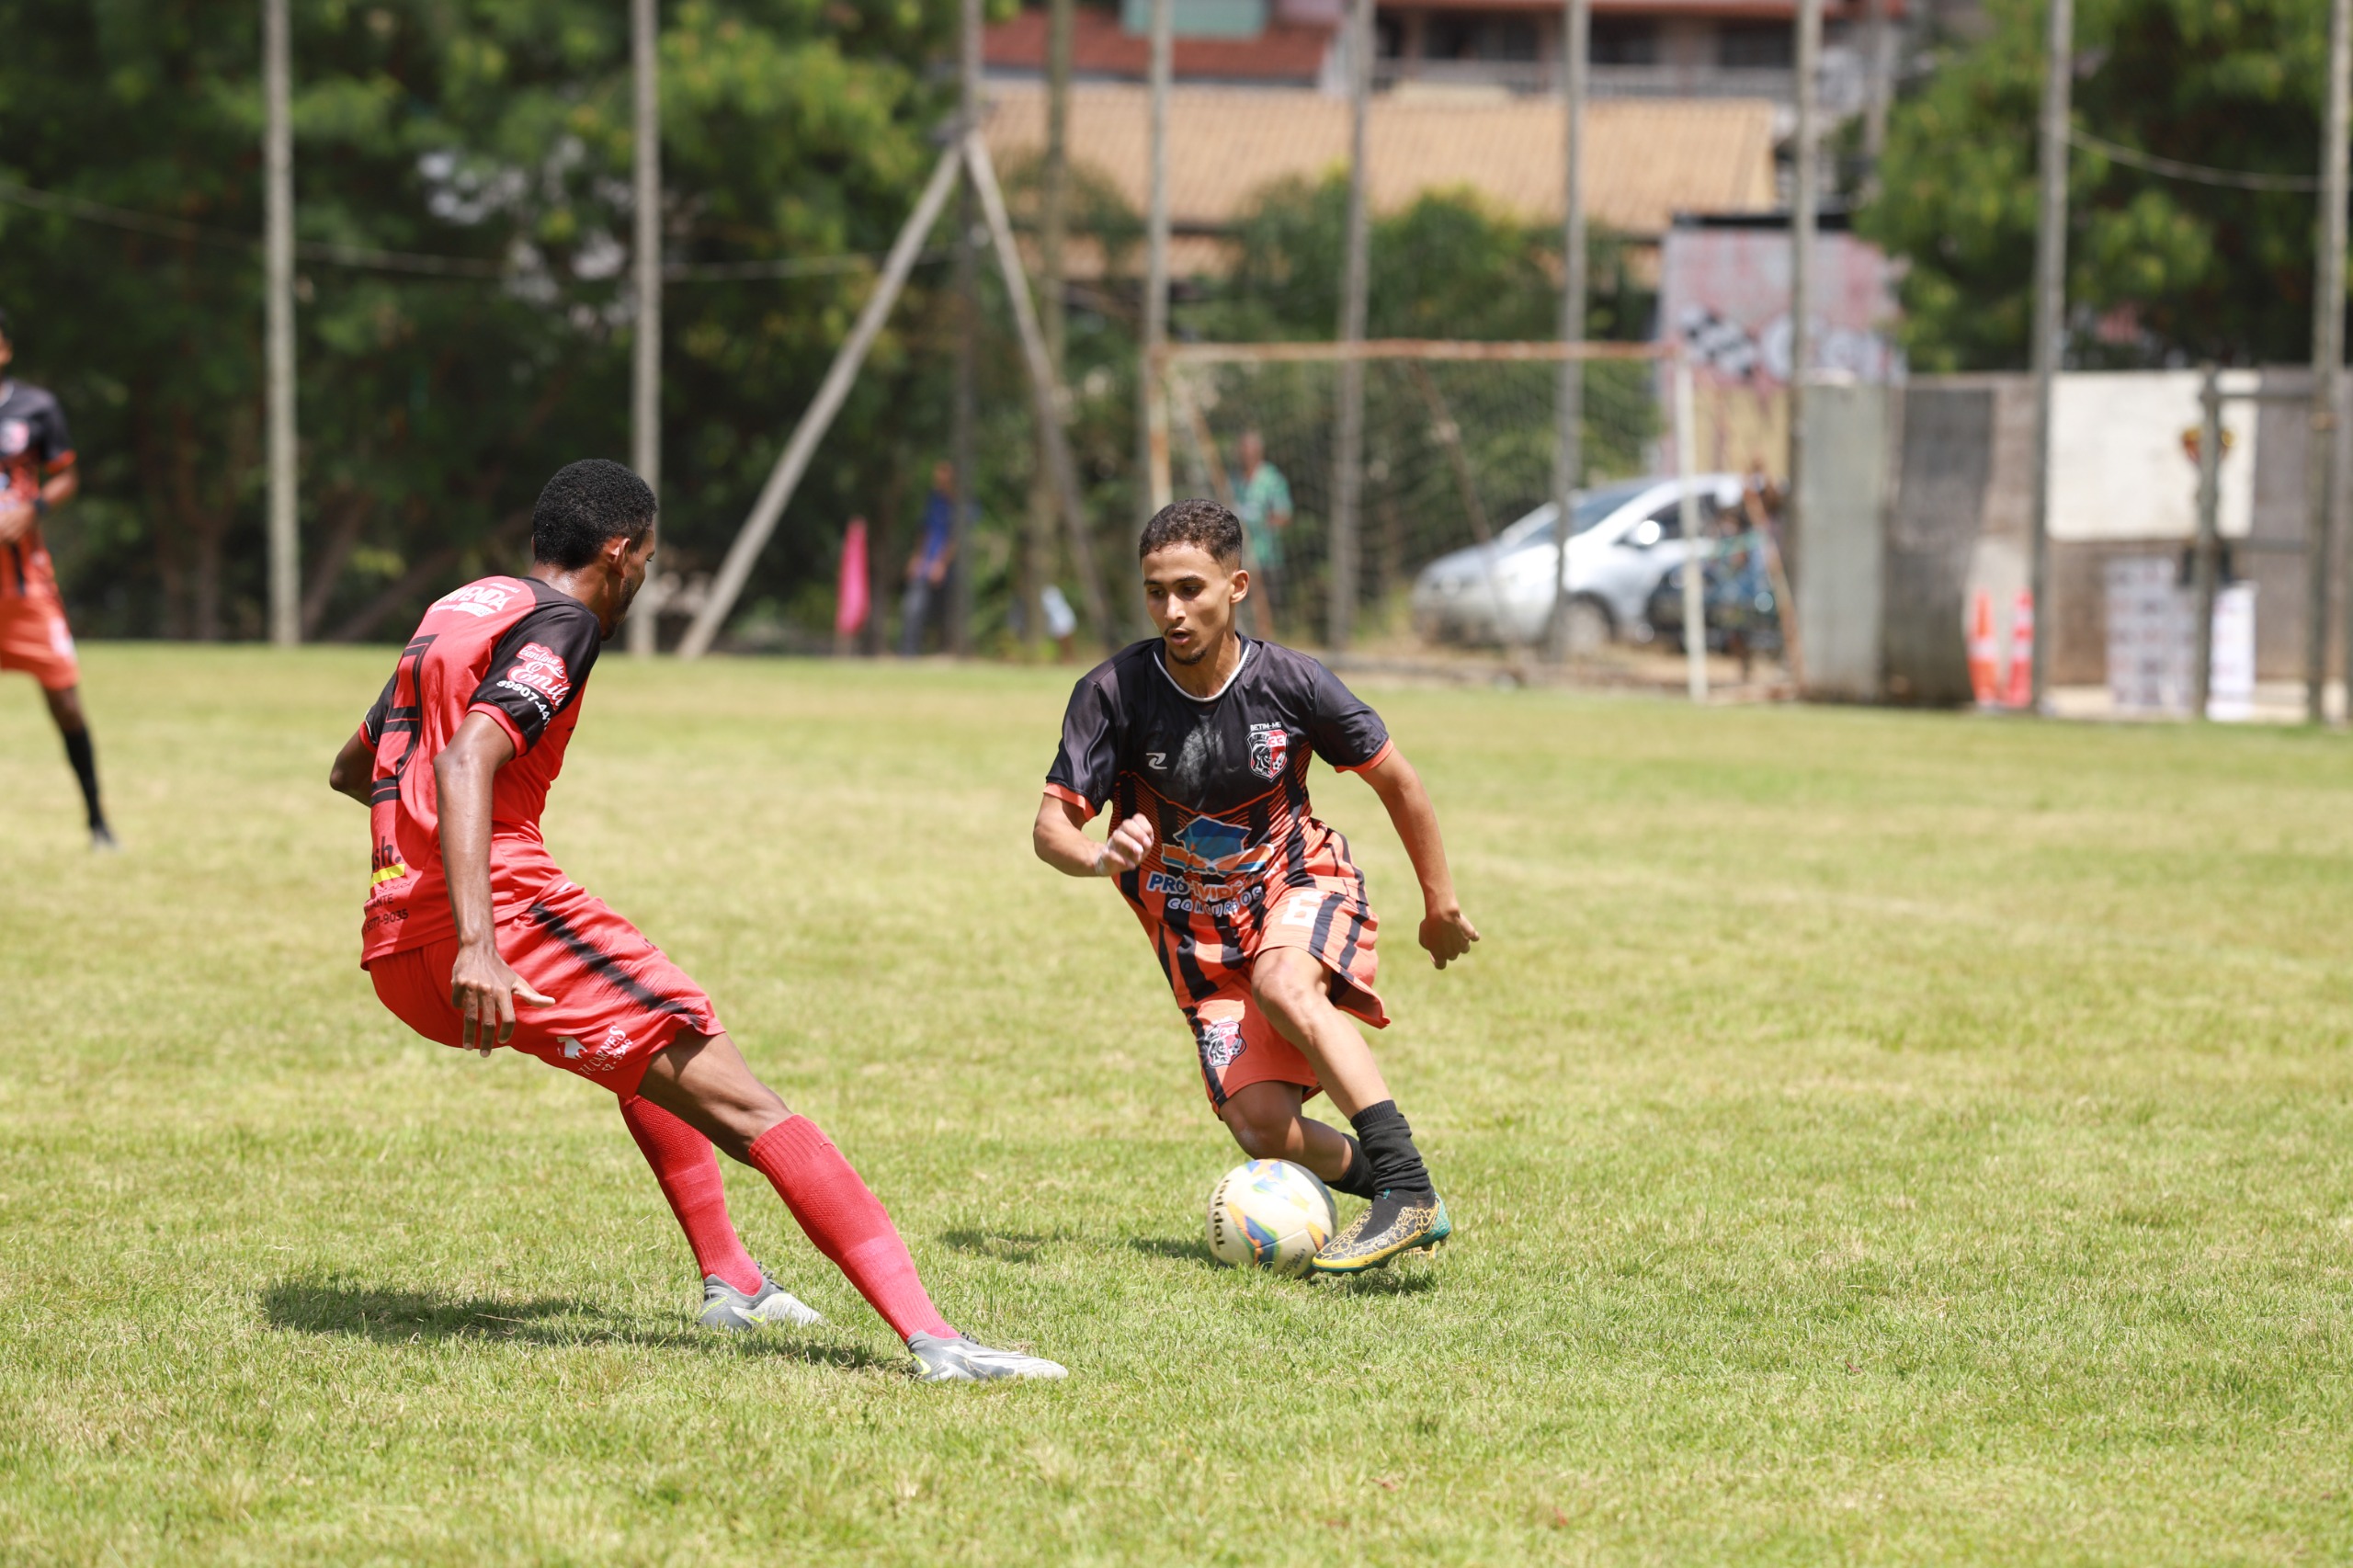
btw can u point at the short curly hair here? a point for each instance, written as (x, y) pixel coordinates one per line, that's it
(1193, 521)
(586, 504)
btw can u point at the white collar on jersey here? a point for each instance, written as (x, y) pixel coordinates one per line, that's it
(1249, 646)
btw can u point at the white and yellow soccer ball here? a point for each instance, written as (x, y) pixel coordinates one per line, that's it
(1270, 1214)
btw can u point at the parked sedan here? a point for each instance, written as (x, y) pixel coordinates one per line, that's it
(1623, 538)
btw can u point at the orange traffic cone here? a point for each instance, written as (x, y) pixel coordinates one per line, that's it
(2021, 692)
(1984, 682)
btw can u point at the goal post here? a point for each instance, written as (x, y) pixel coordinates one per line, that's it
(1459, 446)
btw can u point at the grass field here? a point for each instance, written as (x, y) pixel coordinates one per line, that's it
(1870, 1136)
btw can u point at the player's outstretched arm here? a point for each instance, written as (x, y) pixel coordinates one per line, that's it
(1446, 932)
(481, 987)
(1059, 838)
(354, 769)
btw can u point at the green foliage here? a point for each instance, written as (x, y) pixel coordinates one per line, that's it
(433, 408)
(1446, 267)
(2180, 270)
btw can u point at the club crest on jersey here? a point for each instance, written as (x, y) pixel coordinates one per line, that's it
(1220, 1041)
(1269, 749)
(16, 435)
(540, 667)
(476, 600)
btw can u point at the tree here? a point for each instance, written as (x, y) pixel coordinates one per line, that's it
(2159, 270)
(495, 132)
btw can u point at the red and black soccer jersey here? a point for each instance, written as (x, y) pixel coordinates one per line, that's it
(512, 648)
(33, 446)
(1223, 778)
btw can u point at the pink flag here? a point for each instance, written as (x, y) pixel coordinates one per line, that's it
(852, 603)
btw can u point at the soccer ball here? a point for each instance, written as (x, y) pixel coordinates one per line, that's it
(1270, 1214)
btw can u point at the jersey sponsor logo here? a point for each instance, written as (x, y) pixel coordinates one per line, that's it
(1157, 760)
(1206, 847)
(1185, 896)
(602, 1057)
(1269, 749)
(540, 667)
(476, 600)
(16, 435)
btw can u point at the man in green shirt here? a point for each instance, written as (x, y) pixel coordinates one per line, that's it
(1262, 500)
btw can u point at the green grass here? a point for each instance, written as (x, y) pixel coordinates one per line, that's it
(1870, 1136)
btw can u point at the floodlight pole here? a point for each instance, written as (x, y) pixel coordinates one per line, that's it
(965, 415)
(645, 349)
(1695, 554)
(1568, 462)
(1348, 460)
(277, 158)
(2049, 305)
(1052, 223)
(1807, 201)
(2321, 480)
(1158, 488)
(2206, 566)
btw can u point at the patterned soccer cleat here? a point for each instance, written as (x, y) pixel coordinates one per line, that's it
(724, 1306)
(960, 1360)
(1391, 1224)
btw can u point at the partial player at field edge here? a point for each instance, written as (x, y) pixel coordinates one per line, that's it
(1199, 740)
(37, 475)
(474, 937)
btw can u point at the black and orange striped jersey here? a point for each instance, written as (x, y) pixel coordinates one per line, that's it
(1223, 778)
(34, 448)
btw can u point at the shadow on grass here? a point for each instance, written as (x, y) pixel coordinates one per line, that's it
(402, 1317)
(1193, 1251)
(1005, 1246)
(1389, 1281)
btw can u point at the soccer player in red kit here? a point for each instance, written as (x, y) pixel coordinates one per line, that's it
(37, 474)
(1198, 741)
(474, 937)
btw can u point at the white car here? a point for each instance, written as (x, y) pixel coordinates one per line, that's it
(1623, 538)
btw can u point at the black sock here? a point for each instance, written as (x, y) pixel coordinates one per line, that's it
(1396, 1164)
(1356, 1180)
(85, 769)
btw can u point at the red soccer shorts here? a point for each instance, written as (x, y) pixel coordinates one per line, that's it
(619, 1001)
(35, 638)
(1324, 914)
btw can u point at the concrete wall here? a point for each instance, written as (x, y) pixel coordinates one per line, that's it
(1841, 569)
(1957, 498)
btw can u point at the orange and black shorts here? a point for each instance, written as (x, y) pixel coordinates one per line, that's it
(34, 637)
(1320, 908)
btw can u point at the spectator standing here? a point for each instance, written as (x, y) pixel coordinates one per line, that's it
(1262, 500)
(927, 568)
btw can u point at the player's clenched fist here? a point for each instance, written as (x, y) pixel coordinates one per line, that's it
(1447, 934)
(485, 992)
(1129, 842)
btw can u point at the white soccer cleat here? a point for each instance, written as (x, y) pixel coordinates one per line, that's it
(961, 1361)
(724, 1306)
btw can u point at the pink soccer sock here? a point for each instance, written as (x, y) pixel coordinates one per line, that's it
(847, 1222)
(687, 1167)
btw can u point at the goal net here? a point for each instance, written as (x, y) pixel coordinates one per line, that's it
(1460, 449)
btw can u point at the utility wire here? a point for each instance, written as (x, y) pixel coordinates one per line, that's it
(2149, 163)
(366, 258)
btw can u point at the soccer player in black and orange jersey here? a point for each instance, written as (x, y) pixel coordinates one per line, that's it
(1198, 741)
(36, 474)
(474, 938)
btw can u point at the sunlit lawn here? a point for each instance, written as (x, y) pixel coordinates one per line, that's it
(1872, 1136)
